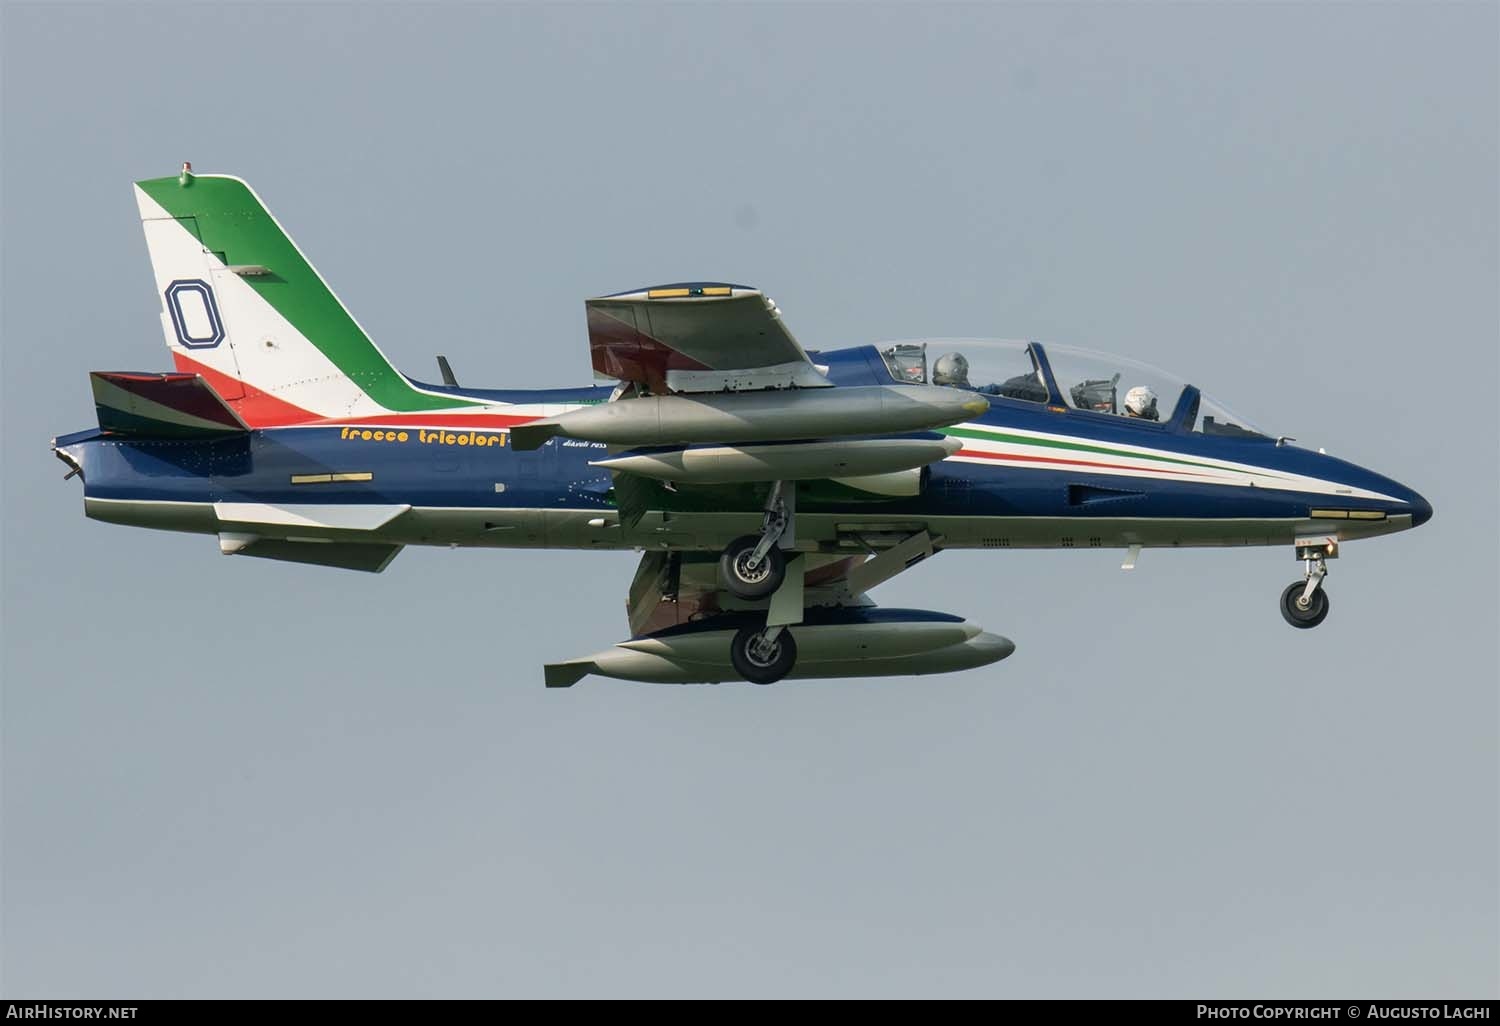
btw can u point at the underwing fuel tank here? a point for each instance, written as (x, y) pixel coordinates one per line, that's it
(887, 643)
(767, 416)
(786, 461)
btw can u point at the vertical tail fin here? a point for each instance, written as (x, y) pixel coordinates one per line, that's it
(243, 307)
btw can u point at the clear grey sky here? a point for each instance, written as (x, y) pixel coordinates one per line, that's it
(229, 777)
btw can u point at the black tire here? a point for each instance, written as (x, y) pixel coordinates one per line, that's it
(742, 583)
(1316, 611)
(757, 671)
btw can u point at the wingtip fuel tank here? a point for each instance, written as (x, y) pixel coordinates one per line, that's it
(767, 416)
(899, 643)
(784, 461)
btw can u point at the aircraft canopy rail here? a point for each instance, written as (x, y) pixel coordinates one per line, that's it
(1077, 380)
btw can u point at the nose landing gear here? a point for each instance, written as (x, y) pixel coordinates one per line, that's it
(1304, 603)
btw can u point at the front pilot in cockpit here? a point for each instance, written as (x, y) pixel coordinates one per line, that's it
(951, 370)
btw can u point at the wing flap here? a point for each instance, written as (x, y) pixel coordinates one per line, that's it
(891, 562)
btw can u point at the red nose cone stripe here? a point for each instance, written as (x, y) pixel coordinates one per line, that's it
(1017, 457)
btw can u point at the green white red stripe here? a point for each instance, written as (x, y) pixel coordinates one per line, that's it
(1043, 450)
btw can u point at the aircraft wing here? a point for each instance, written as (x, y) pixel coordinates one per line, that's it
(715, 365)
(697, 337)
(683, 623)
(675, 588)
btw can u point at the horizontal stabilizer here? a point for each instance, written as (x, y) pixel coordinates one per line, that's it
(565, 675)
(150, 405)
(368, 557)
(526, 437)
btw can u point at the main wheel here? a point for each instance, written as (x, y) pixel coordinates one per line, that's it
(762, 669)
(740, 579)
(1298, 615)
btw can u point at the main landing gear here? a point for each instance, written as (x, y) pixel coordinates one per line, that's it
(763, 656)
(754, 566)
(1304, 603)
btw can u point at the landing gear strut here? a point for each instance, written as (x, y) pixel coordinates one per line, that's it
(1304, 603)
(754, 566)
(763, 656)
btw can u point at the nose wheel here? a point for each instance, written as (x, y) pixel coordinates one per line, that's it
(1303, 612)
(1304, 603)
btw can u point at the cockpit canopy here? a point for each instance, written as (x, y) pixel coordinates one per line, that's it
(1065, 377)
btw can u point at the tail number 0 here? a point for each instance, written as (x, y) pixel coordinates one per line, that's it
(195, 314)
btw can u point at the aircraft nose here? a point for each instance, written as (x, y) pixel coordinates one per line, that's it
(1421, 510)
(1408, 502)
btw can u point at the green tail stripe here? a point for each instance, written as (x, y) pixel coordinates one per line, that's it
(997, 436)
(233, 225)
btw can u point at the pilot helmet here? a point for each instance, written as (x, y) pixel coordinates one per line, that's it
(951, 369)
(1140, 401)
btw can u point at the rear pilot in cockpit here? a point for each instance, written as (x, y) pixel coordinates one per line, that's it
(1140, 403)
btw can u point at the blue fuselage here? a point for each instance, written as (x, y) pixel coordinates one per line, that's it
(1030, 474)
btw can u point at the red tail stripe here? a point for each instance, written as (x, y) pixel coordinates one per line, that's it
(256, 408)
(437, 418)
(259, 410)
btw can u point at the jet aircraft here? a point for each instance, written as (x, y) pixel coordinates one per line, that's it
(769, 488)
